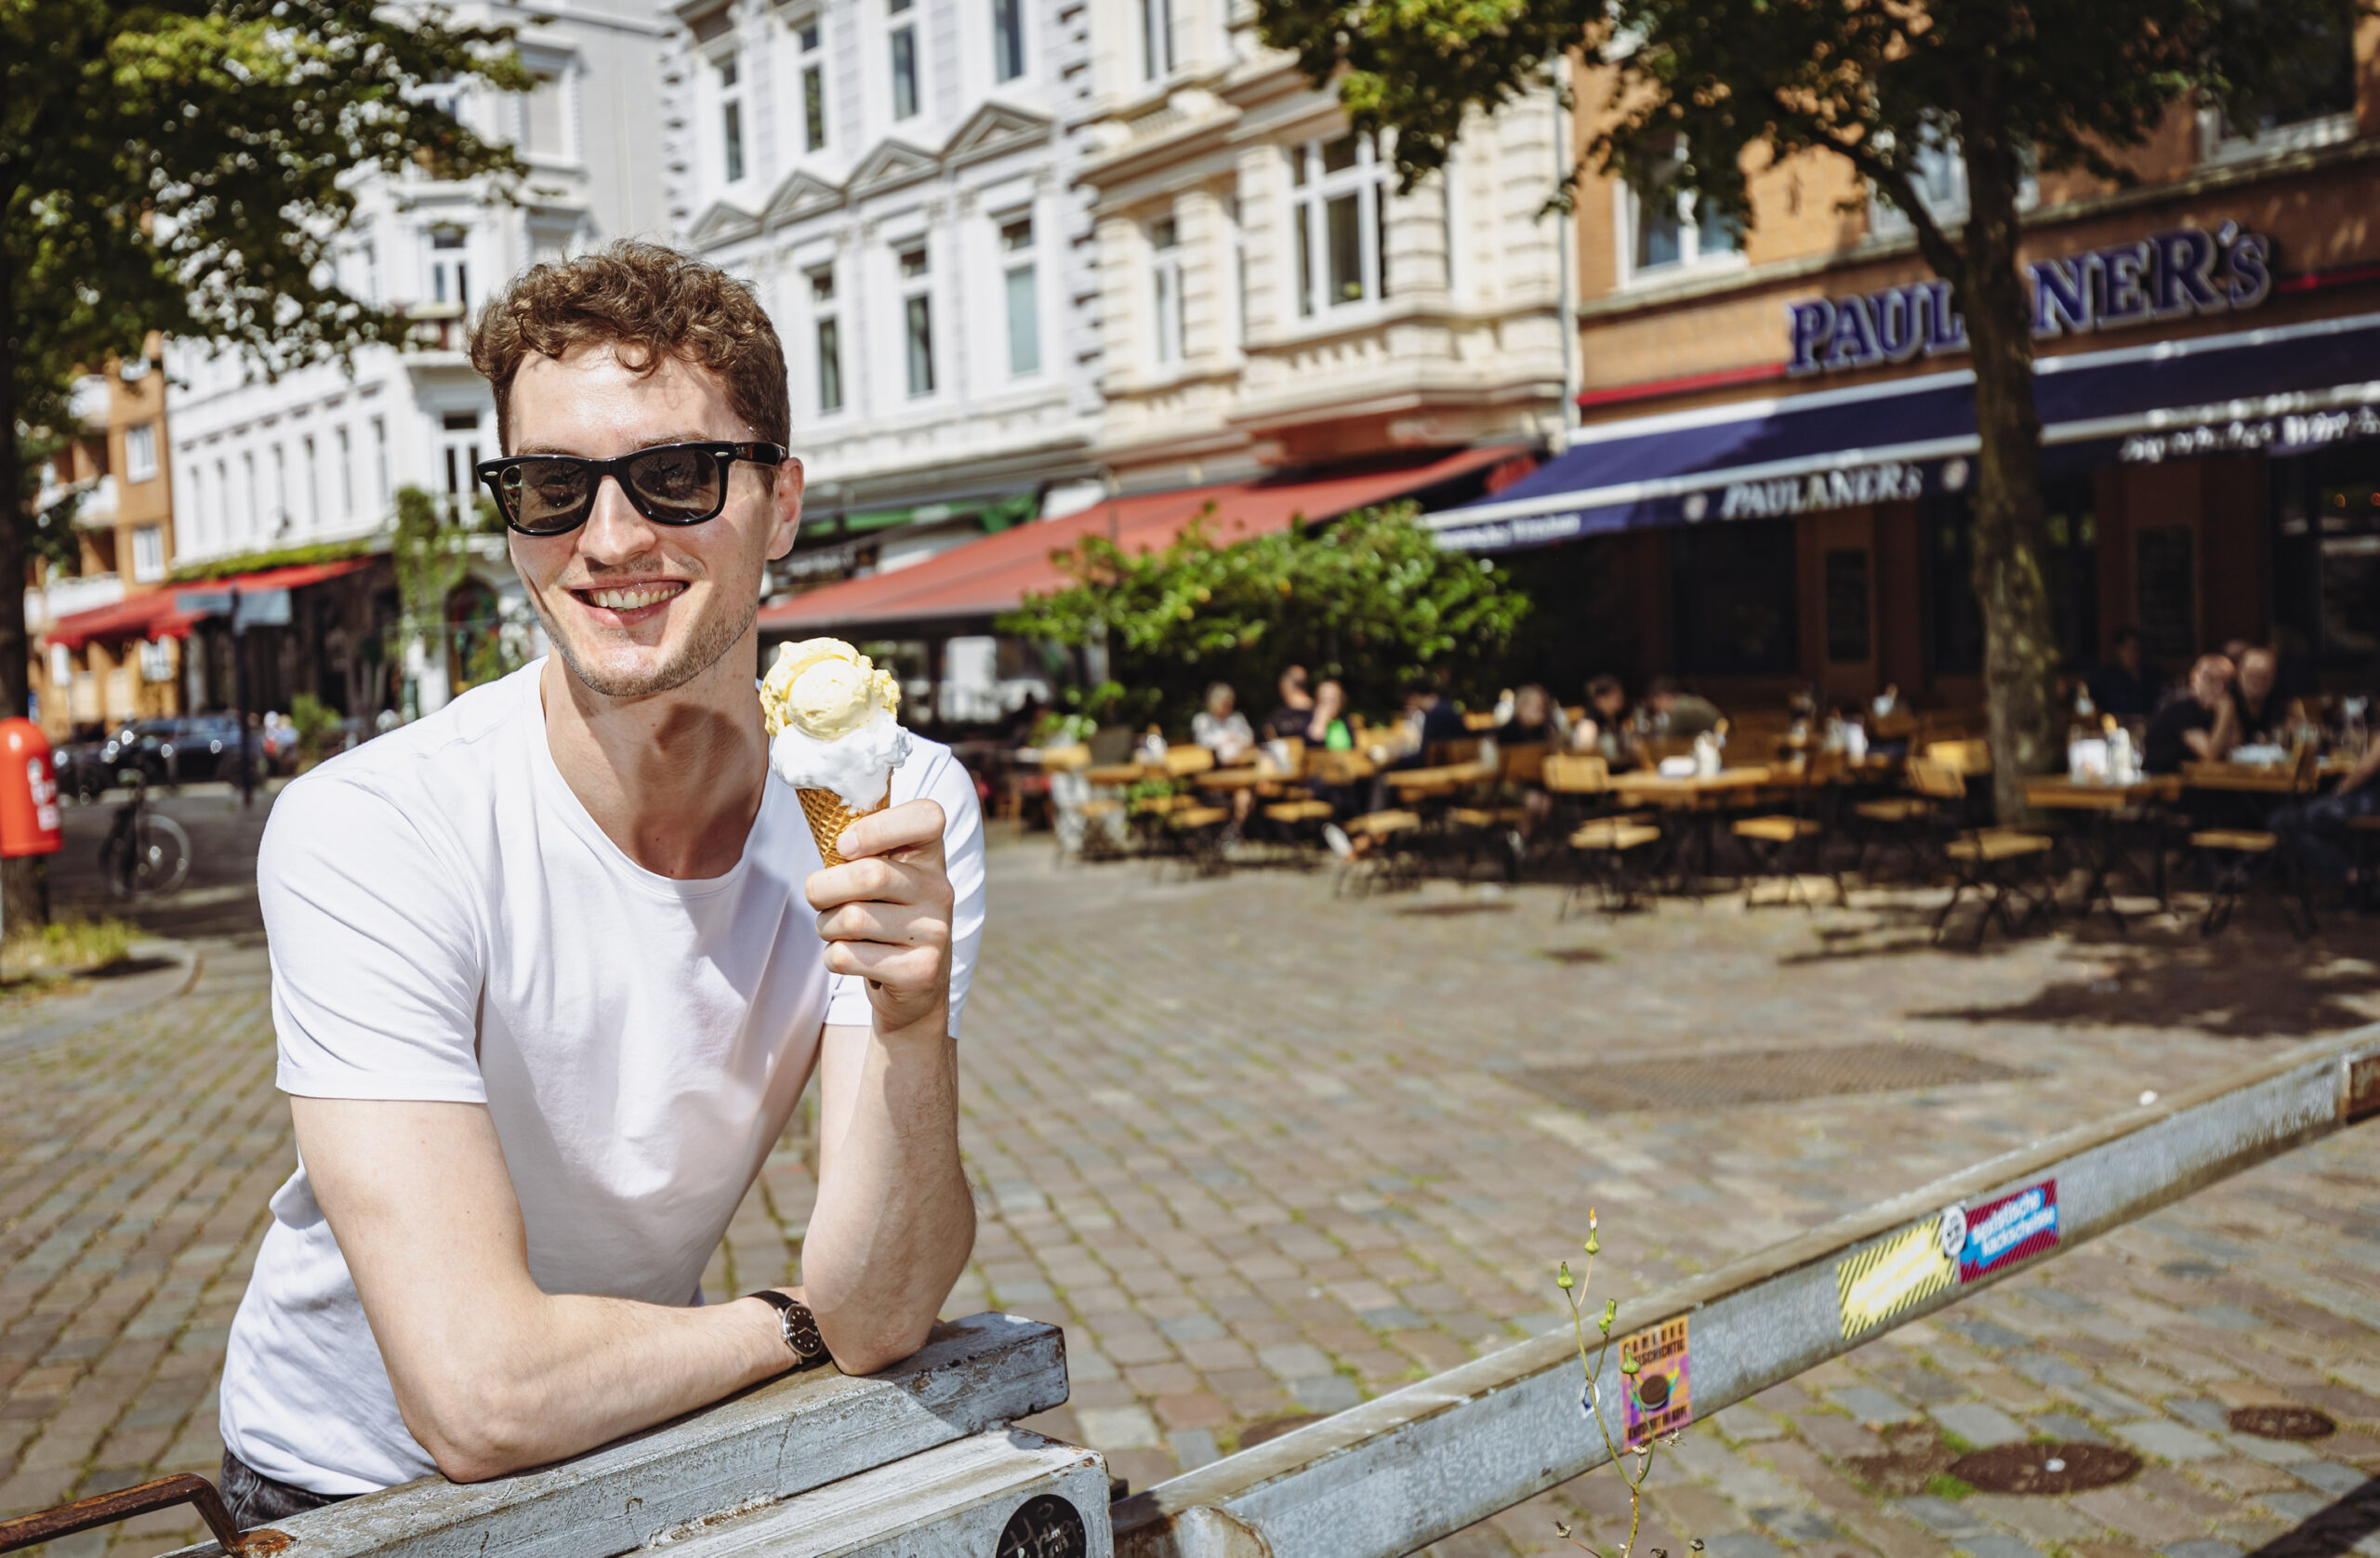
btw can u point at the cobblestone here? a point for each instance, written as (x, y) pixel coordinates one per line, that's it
(1263, 1153)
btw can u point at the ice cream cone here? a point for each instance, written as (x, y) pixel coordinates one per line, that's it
(828, 816)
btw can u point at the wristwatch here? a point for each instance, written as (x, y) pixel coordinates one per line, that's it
(799, 1326)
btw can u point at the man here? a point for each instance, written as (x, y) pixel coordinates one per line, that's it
(552, 967)
(2127, 686)
(2316, 831)
(1289, 722)
(1678, 715)
(2197, 727)
(2259, 714)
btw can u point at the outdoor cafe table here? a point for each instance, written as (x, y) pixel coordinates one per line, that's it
(1413, 783)
(1701, 798)
(1115, 773)
(2252, 791)
(2114, 818)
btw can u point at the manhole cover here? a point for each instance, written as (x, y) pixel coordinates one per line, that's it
(1273, 1428)
(1737, 1076)
(2282, 1422)
(2044, 1467)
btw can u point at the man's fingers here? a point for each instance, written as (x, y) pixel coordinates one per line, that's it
(914, 826)
(878, 880)
(893, 924)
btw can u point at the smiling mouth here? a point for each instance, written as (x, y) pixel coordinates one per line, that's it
(632, 598)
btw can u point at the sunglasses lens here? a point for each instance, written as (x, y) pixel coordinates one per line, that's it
(678, 484)
(547, 497)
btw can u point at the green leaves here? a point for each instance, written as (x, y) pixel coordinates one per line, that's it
(1371, 600)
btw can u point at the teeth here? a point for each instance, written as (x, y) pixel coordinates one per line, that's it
(631, 599)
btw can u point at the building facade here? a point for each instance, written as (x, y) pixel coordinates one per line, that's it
(306, 466)
(114, 475)
(896, 178)
(1772, 484)
(1269, 300)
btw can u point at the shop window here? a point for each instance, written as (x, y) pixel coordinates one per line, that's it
(1954, 630)
(1732, 590)
(2326, 554)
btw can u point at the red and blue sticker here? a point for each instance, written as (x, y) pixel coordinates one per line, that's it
(2014, 1227)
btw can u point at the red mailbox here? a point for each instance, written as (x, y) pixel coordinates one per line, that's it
(28, 791)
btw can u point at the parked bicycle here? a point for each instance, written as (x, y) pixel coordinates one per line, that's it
(146, 854)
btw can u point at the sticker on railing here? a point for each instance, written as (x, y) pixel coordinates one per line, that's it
(2003, 1231)
(1883, 1280)
(1046, 1527)
(1660, 1393)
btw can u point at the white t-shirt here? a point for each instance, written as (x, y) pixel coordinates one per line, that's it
(447, 923)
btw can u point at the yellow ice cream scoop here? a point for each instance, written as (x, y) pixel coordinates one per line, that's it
(825, 688)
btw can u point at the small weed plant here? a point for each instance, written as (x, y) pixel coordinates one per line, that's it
(1635, 1458)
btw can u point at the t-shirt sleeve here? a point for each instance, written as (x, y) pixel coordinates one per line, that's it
(941, 778)
(375, 966)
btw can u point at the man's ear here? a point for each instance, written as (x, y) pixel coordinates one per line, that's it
(787, 501)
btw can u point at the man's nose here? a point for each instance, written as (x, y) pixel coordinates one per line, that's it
(614, 532)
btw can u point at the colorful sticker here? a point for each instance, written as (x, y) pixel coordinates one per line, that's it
(1660, 1395)
(1884, 1279)
(2003, 1231)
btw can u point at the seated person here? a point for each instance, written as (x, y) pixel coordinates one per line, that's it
(1289, 722)
(1326, 723)
(1678, 715)
(1430, 718)
(1606, 733)
(2259, 710)
(1535, 720)
(2316, 831)
(1221, 728)
(2127, 686)
(2193, 728)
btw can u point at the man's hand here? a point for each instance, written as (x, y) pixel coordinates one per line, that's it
(885, 915)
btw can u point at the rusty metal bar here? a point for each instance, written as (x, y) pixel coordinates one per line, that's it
(1398, 1472)
(106, 1508)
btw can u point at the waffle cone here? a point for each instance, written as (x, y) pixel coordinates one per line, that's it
(828, 816)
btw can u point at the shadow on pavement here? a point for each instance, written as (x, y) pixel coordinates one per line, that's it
(2232, 986)
(2333, 1530)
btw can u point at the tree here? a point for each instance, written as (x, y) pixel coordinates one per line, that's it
(1371, 600)
(189, 166)
(1704, 91)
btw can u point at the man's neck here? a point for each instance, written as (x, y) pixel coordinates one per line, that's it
(675, 780)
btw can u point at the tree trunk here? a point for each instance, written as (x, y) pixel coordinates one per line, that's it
(22, 899)
(2020, 646)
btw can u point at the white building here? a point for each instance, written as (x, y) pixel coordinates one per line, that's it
(1269, 300)
(263, 468)
(896, 178)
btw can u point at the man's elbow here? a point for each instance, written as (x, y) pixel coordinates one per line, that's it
(478, 1430)
(871, 1346)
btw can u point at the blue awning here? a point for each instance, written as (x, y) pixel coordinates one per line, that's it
(2281, 390)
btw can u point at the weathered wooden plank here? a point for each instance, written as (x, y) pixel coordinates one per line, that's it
(781, 1439)
(950, 1502)
(1402, 1471)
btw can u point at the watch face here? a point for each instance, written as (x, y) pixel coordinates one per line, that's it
(801, 1332)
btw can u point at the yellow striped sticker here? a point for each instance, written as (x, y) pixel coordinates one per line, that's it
(1880, 1282)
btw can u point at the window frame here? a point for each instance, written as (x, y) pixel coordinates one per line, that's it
(916, 317)
(1314, 190)
(1691, 257)
(904, 65)
(1020, 267)
(141, 452)
(1010, 59)
(826, 342)
(1163, 236)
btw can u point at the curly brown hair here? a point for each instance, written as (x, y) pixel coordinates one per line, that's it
(652, 300)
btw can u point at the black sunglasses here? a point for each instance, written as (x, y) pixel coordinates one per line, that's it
(671, 483)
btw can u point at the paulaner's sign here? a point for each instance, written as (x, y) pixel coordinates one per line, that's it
(2170, 275)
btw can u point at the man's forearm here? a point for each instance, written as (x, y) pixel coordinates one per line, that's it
(895, 1223)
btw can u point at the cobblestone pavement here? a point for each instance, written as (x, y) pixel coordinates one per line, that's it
(1264, 1152)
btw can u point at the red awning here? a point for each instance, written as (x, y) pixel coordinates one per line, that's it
(143, 616)
(156, 616)
(984, 578)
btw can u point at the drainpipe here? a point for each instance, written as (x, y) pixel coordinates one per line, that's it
(1568, 261)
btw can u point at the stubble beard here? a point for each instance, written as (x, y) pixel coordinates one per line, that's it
(704, 647)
